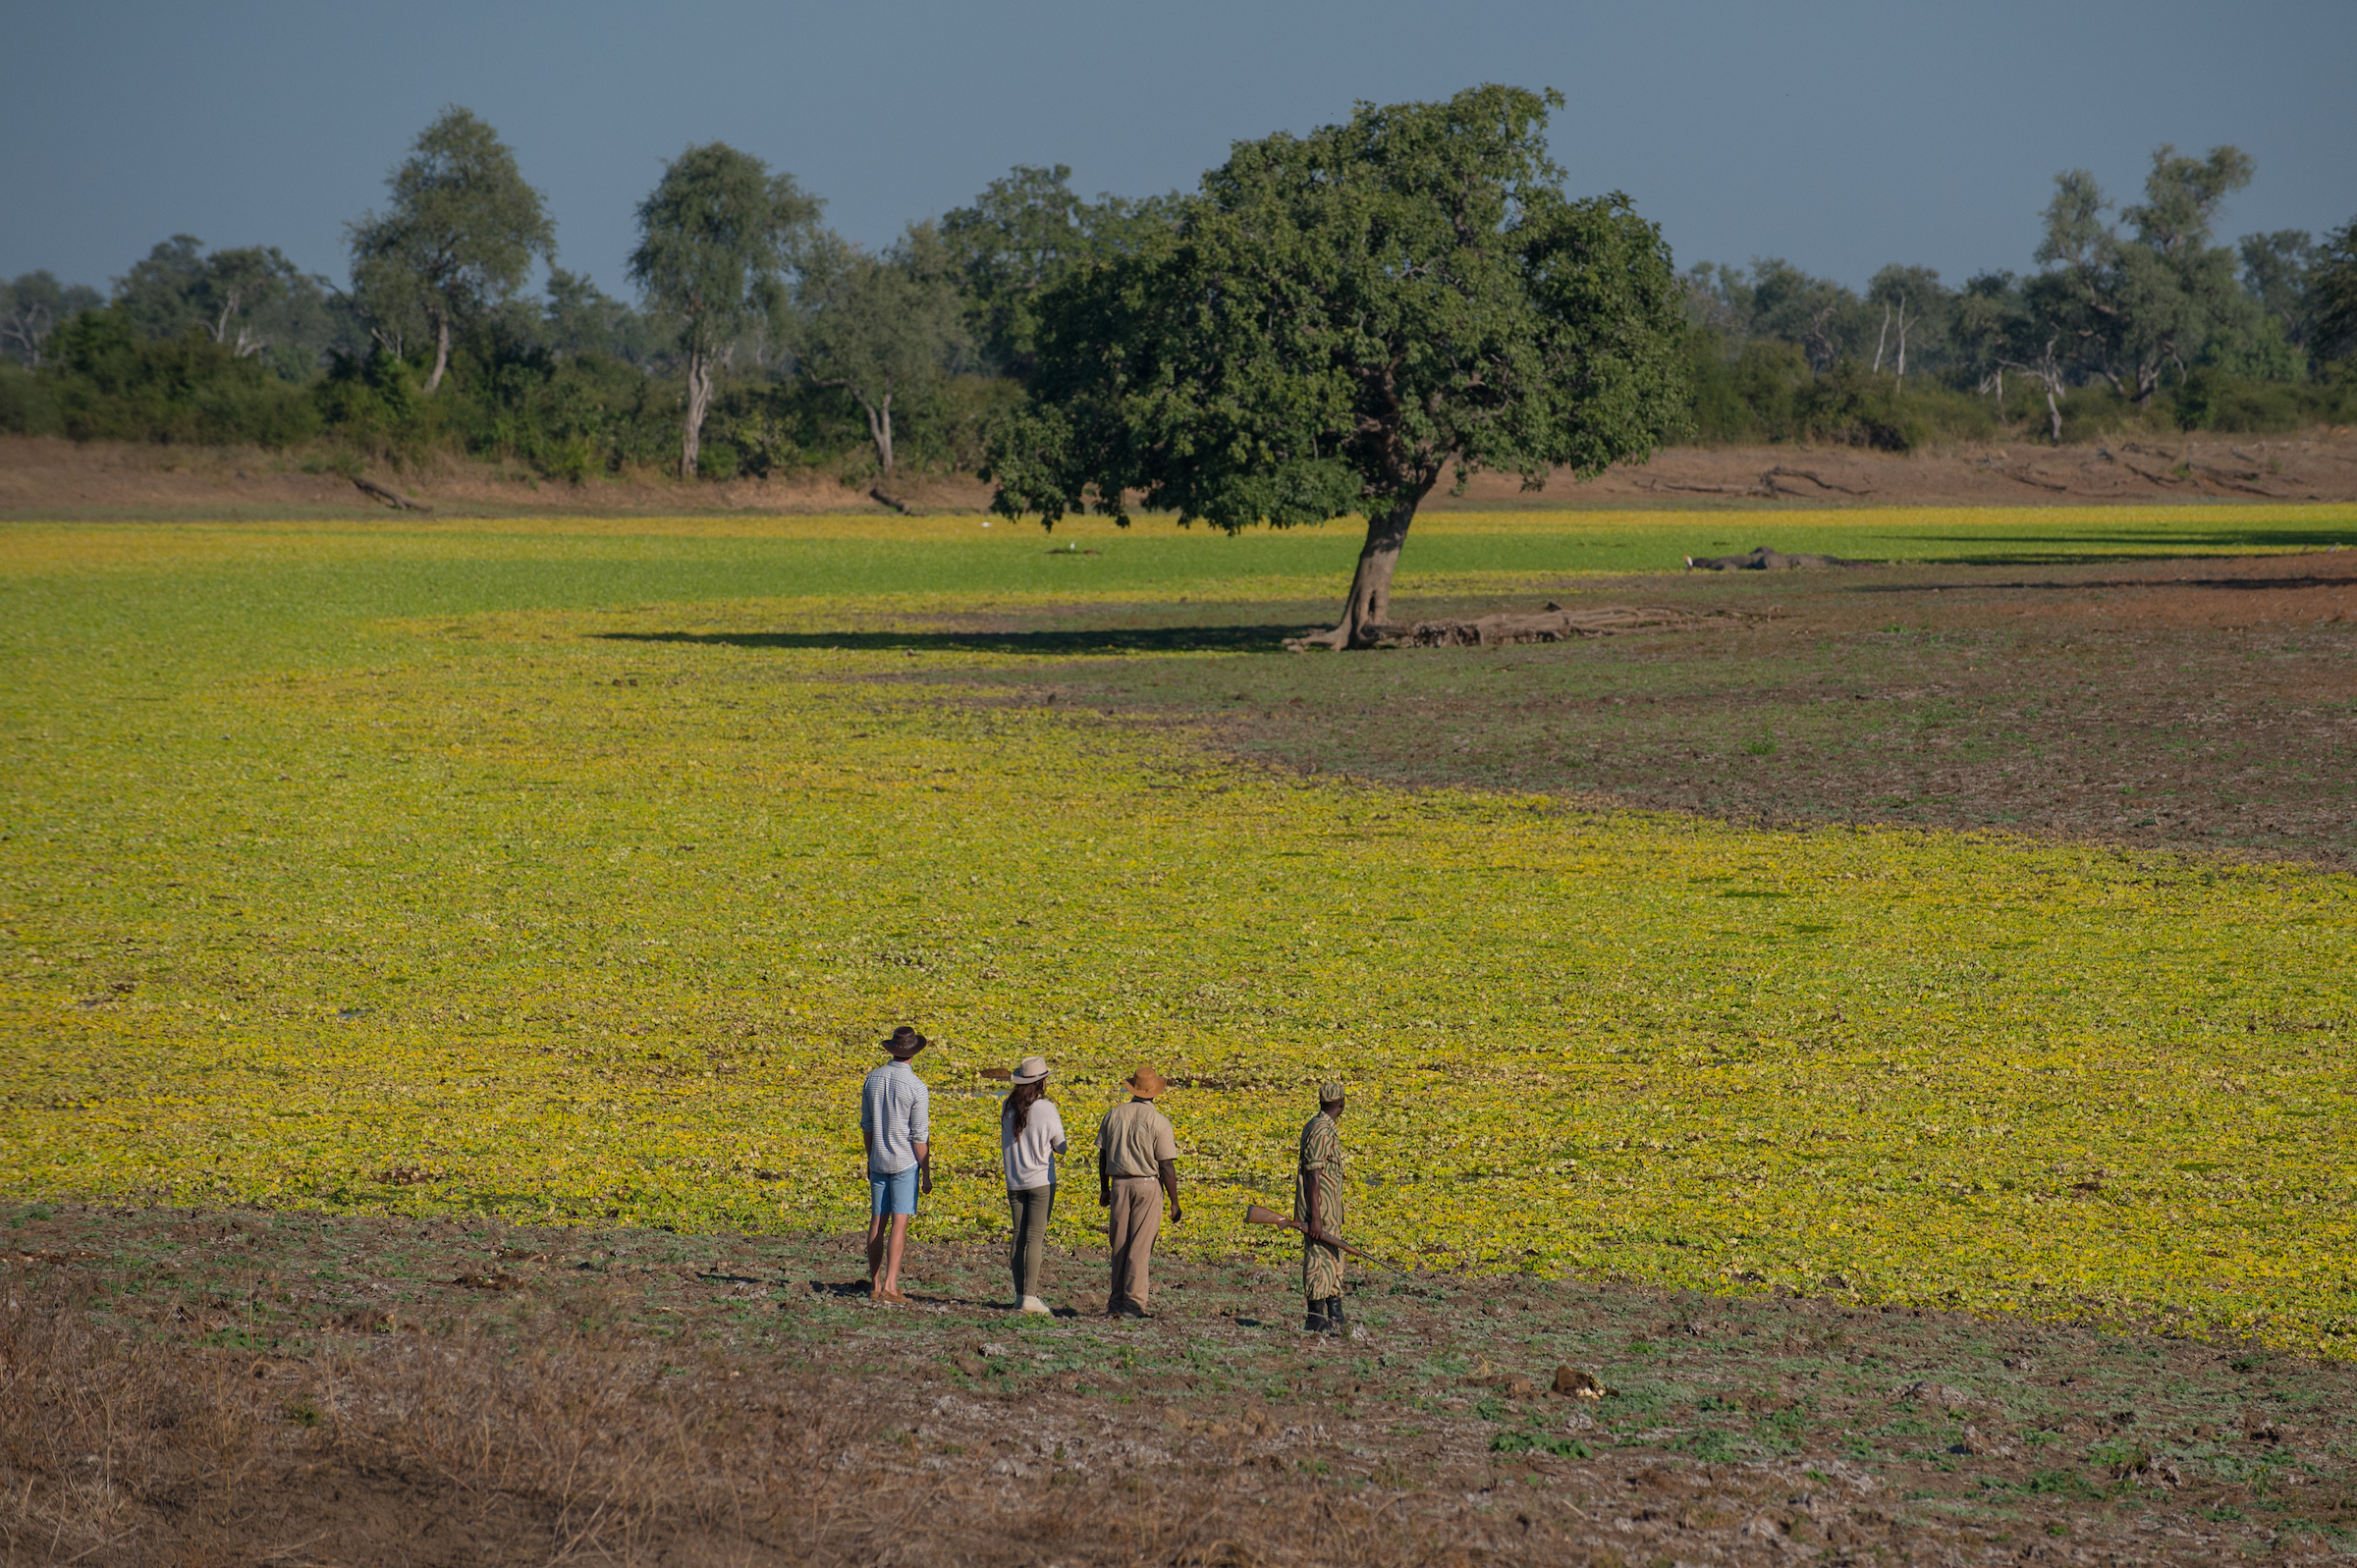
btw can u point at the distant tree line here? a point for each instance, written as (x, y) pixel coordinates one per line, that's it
(760, 342)
(2134, 313)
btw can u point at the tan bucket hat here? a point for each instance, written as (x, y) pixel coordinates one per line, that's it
(1146, 1084)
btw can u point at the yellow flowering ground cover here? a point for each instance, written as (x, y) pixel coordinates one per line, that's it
(568, 870)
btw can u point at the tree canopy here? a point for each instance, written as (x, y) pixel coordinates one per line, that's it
(882, 327)
(1339, 319)
(459, 236)
(32, 307)
(717, 237)
(249, 299)
(2334, 285)
(1023, 235)
(2133, 306)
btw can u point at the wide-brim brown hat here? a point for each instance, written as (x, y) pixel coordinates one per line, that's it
(1146, 1084)
(905, 1042)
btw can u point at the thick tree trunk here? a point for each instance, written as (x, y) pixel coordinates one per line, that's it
(1369, 607)
(441, 354)
(699, 399)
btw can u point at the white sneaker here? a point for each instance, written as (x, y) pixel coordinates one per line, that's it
(1034, 1304)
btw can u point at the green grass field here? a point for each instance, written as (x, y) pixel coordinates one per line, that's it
(566, 870)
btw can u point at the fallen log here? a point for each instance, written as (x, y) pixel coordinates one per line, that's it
(1768, 482)
(391, 498)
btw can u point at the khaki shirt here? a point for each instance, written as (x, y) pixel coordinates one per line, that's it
(1134, 1138)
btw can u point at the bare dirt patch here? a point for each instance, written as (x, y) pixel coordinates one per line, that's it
(2203, 704)
(248, 1386)
(46, 477)
(2316, 465)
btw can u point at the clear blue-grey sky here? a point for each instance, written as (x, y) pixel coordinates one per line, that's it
(1838, 134)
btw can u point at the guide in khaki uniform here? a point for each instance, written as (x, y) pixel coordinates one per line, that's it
(1319, 1208)
(1137, 1167)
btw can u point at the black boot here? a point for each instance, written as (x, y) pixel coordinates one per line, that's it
(1317, 1322)
(1335, 1323)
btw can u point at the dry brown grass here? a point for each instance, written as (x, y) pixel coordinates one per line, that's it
(241, 1388)
(544, 1439)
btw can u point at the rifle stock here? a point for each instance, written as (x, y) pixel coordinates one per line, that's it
(1261, 1214)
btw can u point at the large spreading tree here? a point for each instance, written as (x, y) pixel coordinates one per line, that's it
(717, 237)
(459, 236)
(2134, 305)
(1340, 319)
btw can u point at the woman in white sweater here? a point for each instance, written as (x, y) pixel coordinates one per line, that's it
(1030, 1136)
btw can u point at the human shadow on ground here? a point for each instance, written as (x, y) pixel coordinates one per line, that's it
(857, 1290)
(1086, 640)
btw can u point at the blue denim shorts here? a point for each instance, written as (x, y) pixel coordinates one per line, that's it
(894, 1194)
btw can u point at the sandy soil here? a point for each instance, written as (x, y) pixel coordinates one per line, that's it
(46, 477)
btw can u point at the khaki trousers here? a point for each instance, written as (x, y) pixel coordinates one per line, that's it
(1136, 1220)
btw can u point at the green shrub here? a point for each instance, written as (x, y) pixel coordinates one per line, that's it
(111, 384)
(28, 403)
(2213, 400)
(1766, 393)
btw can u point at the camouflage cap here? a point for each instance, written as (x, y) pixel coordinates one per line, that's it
(1328, 1091)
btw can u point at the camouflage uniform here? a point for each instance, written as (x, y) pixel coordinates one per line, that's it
(1322, 1158)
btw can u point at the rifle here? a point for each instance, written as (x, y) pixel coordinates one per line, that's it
(1255, 1215)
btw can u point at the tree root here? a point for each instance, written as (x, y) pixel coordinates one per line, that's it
(1553, 624)
(1769, 485)
(1333, 640)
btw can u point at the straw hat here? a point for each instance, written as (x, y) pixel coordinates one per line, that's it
(1031, 1070)
(1146, 1083)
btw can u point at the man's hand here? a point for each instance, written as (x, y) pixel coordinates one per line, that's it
(1315, 1230)
(1177, 1213)
(924, 1177)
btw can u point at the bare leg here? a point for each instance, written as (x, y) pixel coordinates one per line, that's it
(875, 1250)
(896, 1238)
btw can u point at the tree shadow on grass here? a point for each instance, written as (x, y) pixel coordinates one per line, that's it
(1086, 640)
(2081, 585)
(2121, 546)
